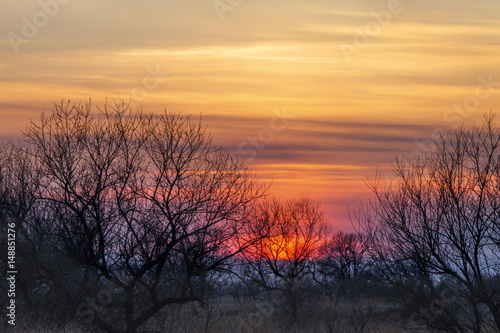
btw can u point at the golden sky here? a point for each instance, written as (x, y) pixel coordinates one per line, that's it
(361, 81)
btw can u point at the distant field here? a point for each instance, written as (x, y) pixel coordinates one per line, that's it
(230, 315)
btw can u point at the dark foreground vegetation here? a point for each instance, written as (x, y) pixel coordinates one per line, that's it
(128, 222)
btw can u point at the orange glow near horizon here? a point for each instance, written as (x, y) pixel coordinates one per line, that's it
(289, 248)
(281, 248)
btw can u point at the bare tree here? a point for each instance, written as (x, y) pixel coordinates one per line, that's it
(342, 263)
(343, 272)
(286, 235)
(20, 188)
(144, 207)
(439, 223)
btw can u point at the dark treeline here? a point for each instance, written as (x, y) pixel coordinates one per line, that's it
(129, 222)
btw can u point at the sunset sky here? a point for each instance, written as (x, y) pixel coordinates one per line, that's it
(360, 81)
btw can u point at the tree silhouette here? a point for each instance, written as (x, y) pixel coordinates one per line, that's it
(342, 263)
(126, 210)
(438, 225)
(285, 236)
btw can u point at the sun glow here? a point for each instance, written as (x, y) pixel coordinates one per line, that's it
(283, 248)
